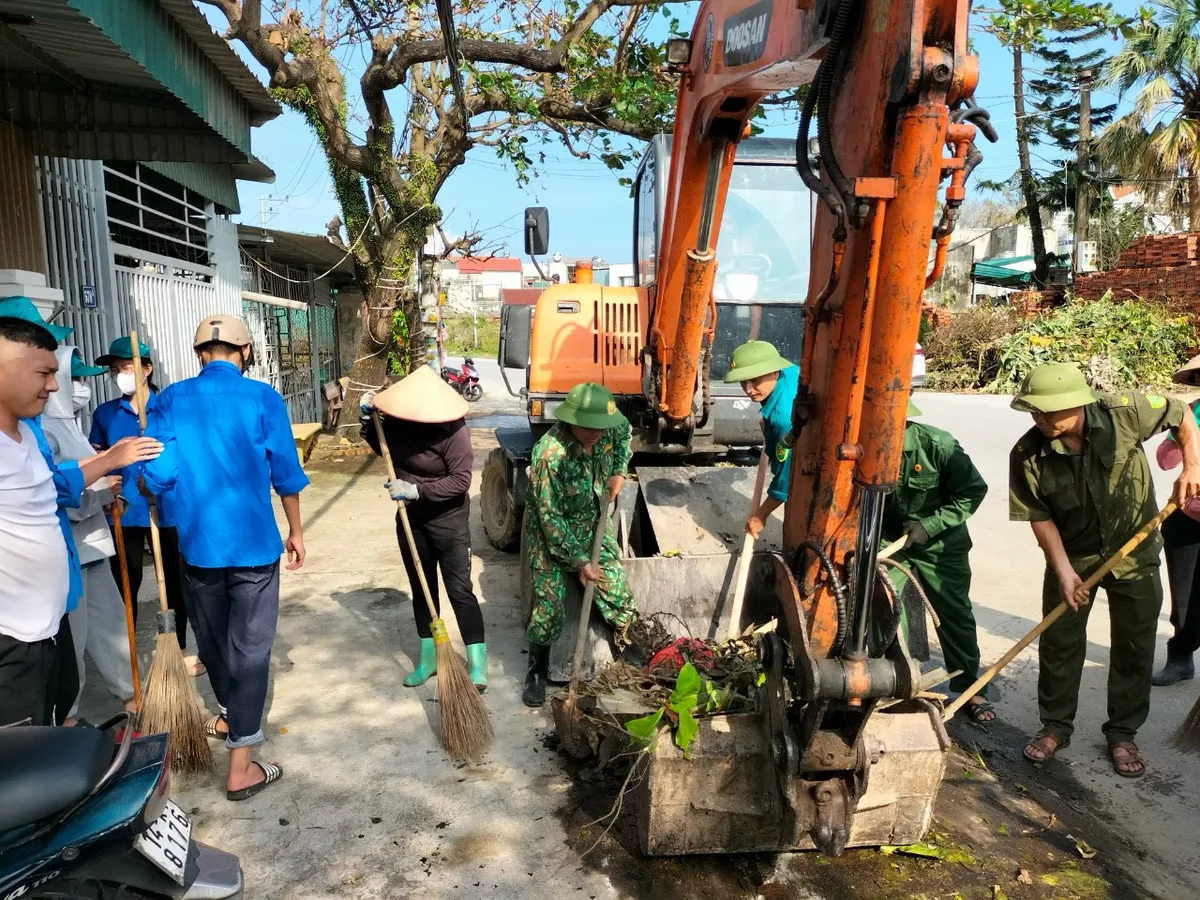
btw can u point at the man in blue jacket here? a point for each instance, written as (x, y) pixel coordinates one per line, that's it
(227, 443)
(771, 381)
(40, 580)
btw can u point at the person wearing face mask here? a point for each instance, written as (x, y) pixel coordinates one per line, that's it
(98, 622)
(118, 419)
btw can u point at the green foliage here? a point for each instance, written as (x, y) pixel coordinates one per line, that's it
(460, 336)
(399, 354)
(691, 694)
(1118, 228)
(1136, 344)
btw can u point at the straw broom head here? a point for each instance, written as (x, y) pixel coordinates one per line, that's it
(466, 725)
(1187, 735)
(170, 703)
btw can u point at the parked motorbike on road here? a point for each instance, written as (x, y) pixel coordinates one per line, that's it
(465, 380)
(78, 820)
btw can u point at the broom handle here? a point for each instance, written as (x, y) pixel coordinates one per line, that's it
(1057, 613)
(892, 549)
(585, 609)
(123, 562)
(743, 572)
(140, 395)
(401, 507)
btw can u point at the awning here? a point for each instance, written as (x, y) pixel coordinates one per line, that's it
(142, 80)
(999, 271)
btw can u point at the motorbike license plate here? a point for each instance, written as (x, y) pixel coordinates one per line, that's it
(165, 843)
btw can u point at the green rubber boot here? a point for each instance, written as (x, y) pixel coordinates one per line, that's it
(477, 658)
(426, 665)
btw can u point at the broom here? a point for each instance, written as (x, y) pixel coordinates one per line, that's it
(743, 570)
(1057, 613)
(127, 594)
(466, 725)
(170, 702)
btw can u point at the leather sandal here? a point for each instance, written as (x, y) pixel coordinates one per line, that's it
(1041, 741)
(1132, 756)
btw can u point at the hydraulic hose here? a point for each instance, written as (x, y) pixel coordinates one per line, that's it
(811, 179)
(835, 586)
(833, 53)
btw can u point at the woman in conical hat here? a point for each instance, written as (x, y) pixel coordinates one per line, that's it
(424, 424)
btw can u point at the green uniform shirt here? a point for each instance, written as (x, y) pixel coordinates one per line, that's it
(1099, 497)
(939, 488)
(567, 487)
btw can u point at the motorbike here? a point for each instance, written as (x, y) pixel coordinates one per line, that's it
(465, 380)
(78, 820)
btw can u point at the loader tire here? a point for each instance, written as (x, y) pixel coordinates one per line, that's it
(498, 508)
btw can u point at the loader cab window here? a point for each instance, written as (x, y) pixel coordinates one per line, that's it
(646, 218)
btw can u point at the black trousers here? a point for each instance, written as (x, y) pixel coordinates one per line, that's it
(137, 539)
(38, 680)
(443, 539)
(1181, 537)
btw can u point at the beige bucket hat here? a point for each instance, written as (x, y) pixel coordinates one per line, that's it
(422, 397)
(1188, 373)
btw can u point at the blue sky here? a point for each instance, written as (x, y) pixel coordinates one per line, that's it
(590, 213)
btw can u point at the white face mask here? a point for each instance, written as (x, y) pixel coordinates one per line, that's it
(125, 383)
(81, 394)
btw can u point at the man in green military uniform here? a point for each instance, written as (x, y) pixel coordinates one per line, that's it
(1081, 479)
(577, 469)
(770, 381)
(939, 489)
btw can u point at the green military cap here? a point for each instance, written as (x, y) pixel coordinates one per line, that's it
(80, 369)
(754, 359)
(590, 405)
(23, 308)
(1053, 388)
(913, 412)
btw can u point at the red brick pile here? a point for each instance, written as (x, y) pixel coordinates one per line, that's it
(1155, 267)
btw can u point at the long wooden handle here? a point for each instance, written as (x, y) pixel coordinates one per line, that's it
(402, 508)
(127, 593)
(1057, 613)
(139, 381)
(892, 549)
(743, 572)
(585, 609)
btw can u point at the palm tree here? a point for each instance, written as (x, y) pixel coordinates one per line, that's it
(1157, 143)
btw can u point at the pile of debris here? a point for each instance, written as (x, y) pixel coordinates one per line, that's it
(1155, 267)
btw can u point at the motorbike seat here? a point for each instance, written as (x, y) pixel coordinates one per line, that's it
(45, 770)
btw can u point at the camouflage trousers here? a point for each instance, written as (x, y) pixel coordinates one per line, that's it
(612, 597)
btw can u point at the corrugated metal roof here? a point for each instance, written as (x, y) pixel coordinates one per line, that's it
(299, 250)
(84, 61)
(212, 181)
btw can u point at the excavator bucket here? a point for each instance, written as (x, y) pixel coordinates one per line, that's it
(688, 521)
(725, 797)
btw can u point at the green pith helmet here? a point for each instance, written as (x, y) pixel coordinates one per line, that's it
(913, 412)
(1053, 388)
(754, 359)
(590, 405)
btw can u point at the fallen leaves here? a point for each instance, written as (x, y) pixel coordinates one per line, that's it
(1086, 850)
(1024, 877)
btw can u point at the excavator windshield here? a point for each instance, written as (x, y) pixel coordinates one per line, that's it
(762, 260)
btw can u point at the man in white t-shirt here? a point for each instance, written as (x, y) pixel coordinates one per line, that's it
(39, 570)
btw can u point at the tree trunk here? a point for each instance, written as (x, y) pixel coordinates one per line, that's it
(1193, 198)
(1028, 185)
(370, 366)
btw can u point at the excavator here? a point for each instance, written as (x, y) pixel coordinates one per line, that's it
(841, 751)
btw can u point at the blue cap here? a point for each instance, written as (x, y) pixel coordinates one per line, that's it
(120, 349)
(23, 308)
(80, 369)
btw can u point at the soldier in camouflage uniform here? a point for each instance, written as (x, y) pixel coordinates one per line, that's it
(577, 468)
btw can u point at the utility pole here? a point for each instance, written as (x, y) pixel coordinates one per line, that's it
(1082, 189)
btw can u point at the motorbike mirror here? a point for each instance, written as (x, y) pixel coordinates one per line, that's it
(537, 230)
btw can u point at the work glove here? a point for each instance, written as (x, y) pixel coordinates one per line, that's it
(401, 490)
(915, 535)
(366, 403)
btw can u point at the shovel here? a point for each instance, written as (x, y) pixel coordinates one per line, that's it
(565, 717)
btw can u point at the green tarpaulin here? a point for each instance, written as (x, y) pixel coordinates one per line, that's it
(1013, 271)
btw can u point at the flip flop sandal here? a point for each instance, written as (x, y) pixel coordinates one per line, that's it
(272, 772)
(210, 728)
(1132, 755)
(977, 710)
(1060, 745)
(195, 668)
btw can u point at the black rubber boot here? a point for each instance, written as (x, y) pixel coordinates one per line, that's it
(1178, 668)
(535, 680)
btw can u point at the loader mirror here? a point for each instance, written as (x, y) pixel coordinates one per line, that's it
(537, 231)
(515, 327)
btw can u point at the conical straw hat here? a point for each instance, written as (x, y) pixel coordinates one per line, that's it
(1189, 372)
(422, 397)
